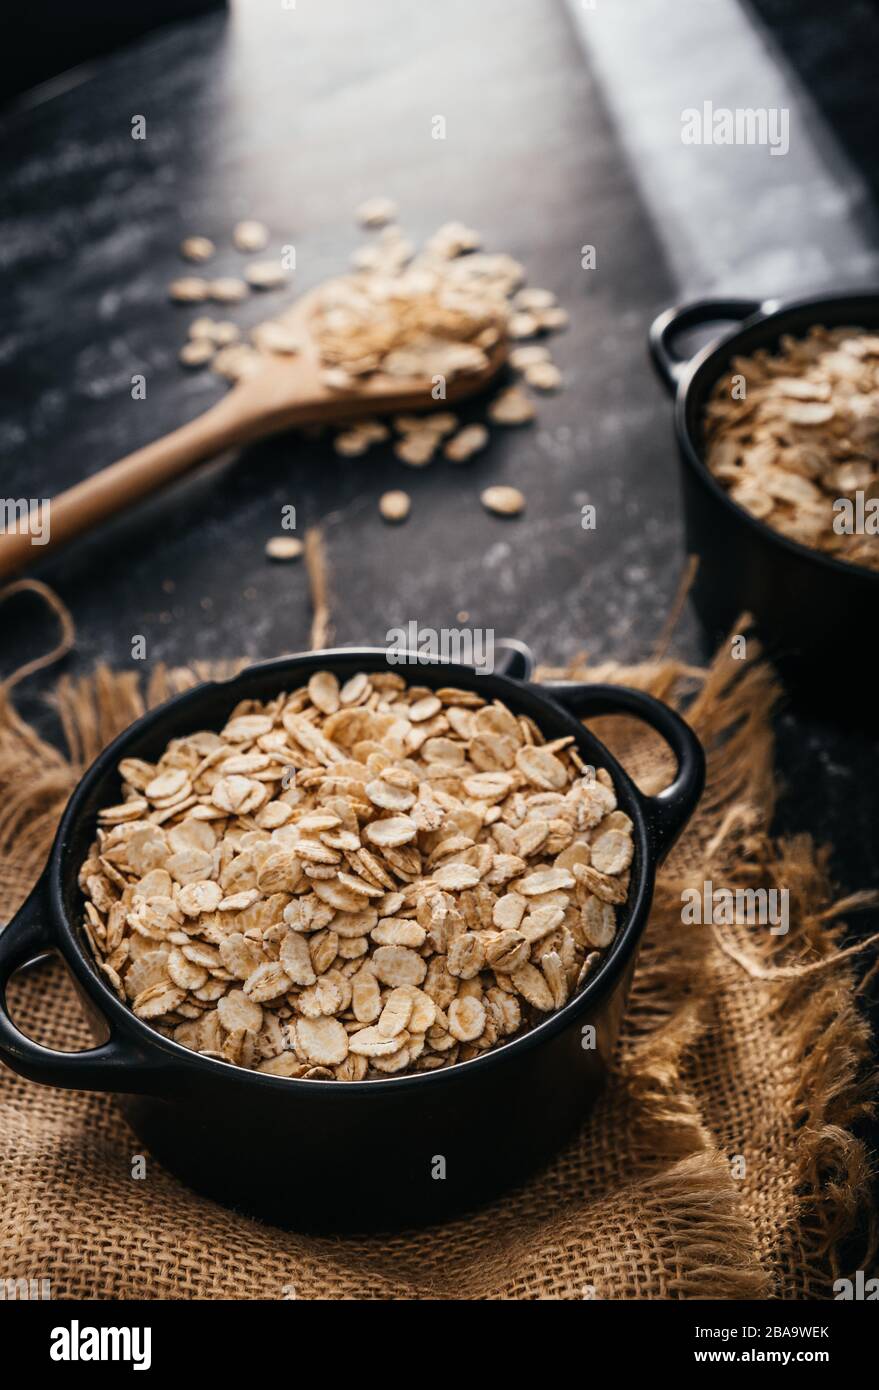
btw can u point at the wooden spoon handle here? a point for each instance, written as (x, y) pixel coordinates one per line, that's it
(120, 485)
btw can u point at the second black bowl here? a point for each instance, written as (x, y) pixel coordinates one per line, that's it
(817, 614)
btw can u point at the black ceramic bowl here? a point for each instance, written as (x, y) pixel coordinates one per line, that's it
(816, 614)
(330, 1155)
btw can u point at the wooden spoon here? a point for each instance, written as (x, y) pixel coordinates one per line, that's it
(288, 391)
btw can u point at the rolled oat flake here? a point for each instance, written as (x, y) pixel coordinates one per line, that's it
(227, 290)
(284, 548)
(190, 289)
(196, 352)
(395, 505)
(503, 500)
(250, 236)
(197, 248)
(265, 275)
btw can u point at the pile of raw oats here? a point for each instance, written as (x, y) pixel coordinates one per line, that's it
(356, 882)
(804, 436)
(437, 312)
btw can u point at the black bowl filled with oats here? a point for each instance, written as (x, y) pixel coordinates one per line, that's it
(361, 935)
(778, 431)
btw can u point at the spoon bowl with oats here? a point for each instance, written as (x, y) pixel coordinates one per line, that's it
(340, 354)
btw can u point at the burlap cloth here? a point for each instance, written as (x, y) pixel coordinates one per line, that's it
(720, 1162)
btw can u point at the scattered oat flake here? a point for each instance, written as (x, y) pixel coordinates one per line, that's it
(503, 500)
(439, 423)
(250, 236)
(202, 328)
(523, 357)
(284, 548)
(376, 212)
(543, 376)
(531, 299)
(522, 325)
(395, 505)
(189, 289)
(511, 407)
(227, 290)
(265, 275)
(352, 443)
(467, 442)
(552, 320)
(197, 248)
(196, 352)
(225, 332)
(418, 448)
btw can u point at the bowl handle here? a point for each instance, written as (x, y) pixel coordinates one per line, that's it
(115, 1065)
(514, 659)
(664, 329)
(668, 812)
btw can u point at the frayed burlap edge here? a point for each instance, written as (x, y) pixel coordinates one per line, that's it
(711, 1234)
(804, 984)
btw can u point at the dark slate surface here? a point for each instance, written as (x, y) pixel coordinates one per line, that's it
(294, 116)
